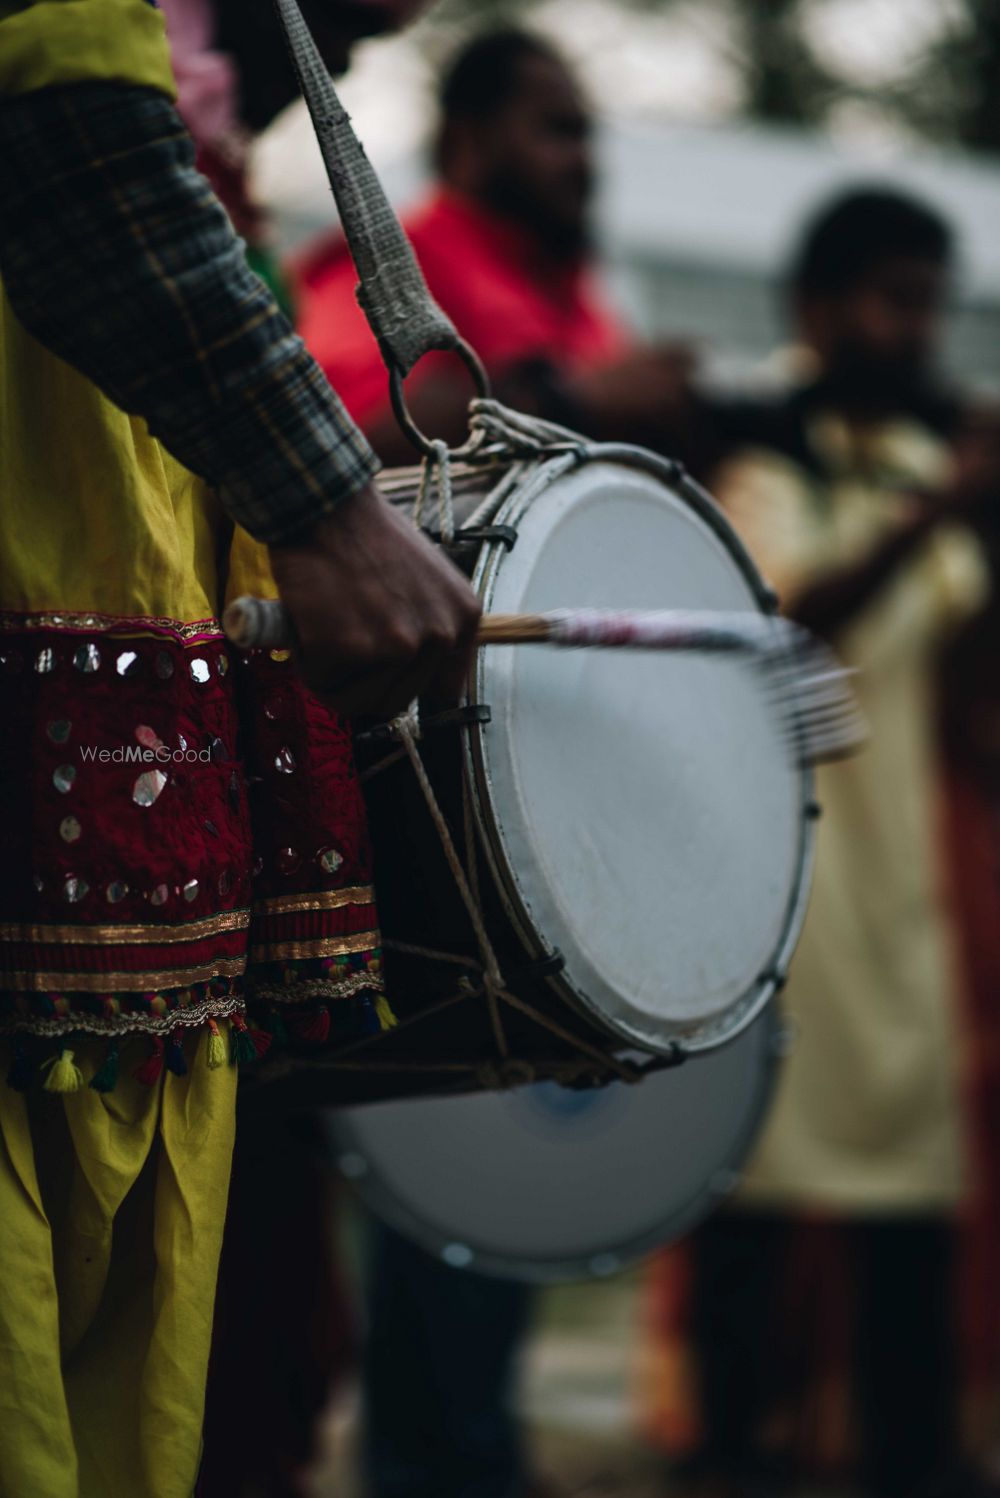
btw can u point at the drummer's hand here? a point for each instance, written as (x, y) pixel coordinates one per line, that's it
(380, 615)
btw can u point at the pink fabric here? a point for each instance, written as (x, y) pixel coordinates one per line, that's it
(208, 101)
(207, 81)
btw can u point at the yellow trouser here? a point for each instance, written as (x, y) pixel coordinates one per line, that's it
(111, 1216)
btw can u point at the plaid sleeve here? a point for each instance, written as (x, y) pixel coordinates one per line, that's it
(118, 257)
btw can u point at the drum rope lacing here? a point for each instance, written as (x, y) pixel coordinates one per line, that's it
(494, 988)
(437, 461)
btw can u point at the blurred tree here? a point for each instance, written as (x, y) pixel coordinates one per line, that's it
(947, 93)
(784, 80)
(965, 67)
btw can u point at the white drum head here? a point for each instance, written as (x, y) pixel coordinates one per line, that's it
(643, 812)
(545, 1183)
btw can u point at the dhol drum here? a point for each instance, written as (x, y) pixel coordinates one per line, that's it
(601, 851)
(549, 1184)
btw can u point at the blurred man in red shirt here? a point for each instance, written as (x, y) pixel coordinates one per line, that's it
(503, 240)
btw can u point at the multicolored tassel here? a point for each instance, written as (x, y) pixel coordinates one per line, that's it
(313, 1025)
(386, 1019)
(150, 1070)
(105, 1078)
(216, 1052)
(64, 1075)
(241, 1046)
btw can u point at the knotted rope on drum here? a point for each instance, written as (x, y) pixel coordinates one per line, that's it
(498, 432)
(437, 461)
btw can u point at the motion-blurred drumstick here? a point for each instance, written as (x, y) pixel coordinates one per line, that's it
(812, 690)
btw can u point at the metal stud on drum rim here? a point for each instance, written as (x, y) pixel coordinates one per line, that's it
(545, 1184)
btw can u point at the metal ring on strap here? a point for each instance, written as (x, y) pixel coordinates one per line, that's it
(397, 394)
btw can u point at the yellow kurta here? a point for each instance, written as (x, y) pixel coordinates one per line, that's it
(111, 1205)
(97, 517)
(866, 1117)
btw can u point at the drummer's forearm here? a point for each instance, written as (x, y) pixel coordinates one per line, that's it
(117, 256)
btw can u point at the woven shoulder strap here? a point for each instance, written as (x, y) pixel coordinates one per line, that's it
(406, 320)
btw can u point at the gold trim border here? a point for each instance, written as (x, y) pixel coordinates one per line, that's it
(141, 935)
(323, 946)
(210, 925)
(292, 995)
(181, 977)
(105, 623)
(330, 899)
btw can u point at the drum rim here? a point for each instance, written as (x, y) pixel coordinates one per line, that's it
(721, 1185)
(743, 1011)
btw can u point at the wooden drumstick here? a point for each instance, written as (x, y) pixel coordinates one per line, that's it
(262, 623)
(810, 688)
(513, 629)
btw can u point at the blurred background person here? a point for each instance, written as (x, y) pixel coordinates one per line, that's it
(504, 242)
(850, 498)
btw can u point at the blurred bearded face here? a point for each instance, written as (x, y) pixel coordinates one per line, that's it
(534, 157)
(877, 340)
(250, 32)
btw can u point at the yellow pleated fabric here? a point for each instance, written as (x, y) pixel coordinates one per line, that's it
(112, 1208)
(96, 516)
(47, 42)
(248, 568)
